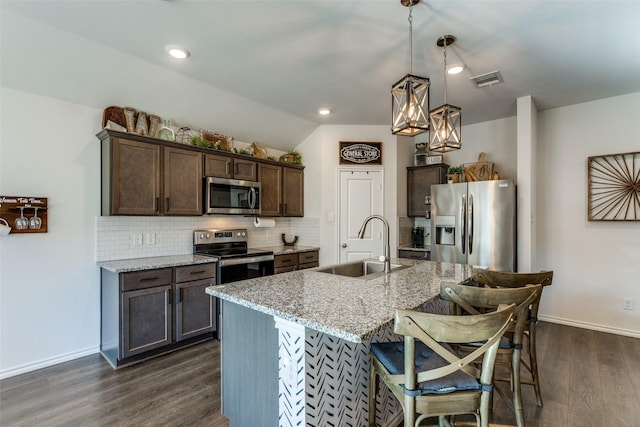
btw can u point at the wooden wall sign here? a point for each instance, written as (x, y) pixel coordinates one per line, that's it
(614, 187)
(360, 153)
(24, 214)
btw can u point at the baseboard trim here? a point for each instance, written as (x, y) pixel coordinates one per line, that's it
(591, 326)
(23, 369)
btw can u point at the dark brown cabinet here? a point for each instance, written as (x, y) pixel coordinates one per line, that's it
(195, 310)
(149, 312)
(230, 167)
(419, 182)
(140, 177)
(295, 261)
(282, 190)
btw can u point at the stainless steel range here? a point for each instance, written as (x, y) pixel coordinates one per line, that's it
(236, 261)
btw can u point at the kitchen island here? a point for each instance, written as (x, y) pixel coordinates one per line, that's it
(295, 346)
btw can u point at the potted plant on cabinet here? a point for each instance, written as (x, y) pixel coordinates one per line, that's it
(454, 174)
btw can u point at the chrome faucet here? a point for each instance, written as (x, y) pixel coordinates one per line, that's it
(387, 251)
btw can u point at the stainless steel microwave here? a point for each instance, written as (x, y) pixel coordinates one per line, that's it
(231, 196)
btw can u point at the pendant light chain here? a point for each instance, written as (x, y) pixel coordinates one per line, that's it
(411, 37)
(445, 69)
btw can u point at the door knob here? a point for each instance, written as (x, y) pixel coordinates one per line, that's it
(344, 245)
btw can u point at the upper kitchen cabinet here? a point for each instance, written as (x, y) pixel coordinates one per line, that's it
(419, 182)
(282, 190)
(142, 177)
(222, 166)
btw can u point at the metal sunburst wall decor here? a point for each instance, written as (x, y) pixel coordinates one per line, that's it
(614, 187)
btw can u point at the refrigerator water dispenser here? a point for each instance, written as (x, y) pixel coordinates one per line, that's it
(445, 230)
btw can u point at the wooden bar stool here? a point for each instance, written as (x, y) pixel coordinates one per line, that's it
(425, 374)
(465, 299)
(501, 279)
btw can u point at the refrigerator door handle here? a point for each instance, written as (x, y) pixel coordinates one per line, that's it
(463, 224)
(470, 224)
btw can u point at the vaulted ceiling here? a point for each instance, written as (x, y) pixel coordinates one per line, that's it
(283, 59)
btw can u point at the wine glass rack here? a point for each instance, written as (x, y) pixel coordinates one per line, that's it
(12, 206)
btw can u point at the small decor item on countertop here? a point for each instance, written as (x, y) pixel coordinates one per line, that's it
(166, 132)
(286, 243)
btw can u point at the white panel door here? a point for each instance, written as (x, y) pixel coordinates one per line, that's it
(361, 195)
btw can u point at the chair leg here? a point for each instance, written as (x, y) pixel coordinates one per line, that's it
(517, 389)
(373, 391)
(533, 360)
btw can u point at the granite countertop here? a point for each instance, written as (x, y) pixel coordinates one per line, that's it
(137, 264)
(411, 248)
(282, 250)
(348, 308)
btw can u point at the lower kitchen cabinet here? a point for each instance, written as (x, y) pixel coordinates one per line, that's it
(149, 312)
(295, 261)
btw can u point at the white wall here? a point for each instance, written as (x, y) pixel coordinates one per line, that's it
(49, 284)
(320, 152)
(595, 264)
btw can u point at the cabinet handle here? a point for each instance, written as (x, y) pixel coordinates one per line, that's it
(155, 208)
(169, 301)
(166, 204)
(226, 167)
(197, 272)
(285, 208)
(179, 296)
(149, 279)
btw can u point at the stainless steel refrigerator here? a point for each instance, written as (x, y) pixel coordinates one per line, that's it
(474, 223)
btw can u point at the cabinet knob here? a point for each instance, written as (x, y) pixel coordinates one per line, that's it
(344, 245)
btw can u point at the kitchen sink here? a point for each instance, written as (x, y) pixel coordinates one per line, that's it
(363, 269)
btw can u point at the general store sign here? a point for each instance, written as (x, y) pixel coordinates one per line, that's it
(361, 153)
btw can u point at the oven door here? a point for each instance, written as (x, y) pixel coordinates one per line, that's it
(231, 196)
(236, 269)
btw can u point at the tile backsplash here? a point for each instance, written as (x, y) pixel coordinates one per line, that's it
(174, 235)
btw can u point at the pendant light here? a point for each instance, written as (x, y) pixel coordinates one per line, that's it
(410, 95)
(446, 121)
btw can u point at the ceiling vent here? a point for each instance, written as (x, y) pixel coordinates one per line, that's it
(487, 79)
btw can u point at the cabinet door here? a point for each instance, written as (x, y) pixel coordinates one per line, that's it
(419, 182)
(195, 309)
(146, 320)
(270, 177)
(245, 170)
(182, 182)
(292, 191)
(218, 166)
(135, 178)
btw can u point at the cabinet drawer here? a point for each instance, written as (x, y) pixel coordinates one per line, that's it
(285, 269)
(145, 279)
(423, 255)
(288, 260)
(307, 265)
(308, 257)
(195, 272)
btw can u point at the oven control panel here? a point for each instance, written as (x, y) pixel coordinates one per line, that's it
(201, 237)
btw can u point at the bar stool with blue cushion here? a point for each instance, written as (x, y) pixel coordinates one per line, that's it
(425, 374)
(474, 300)
(501, 279)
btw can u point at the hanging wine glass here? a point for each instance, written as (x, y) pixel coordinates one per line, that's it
(22, 222)
(35, 223)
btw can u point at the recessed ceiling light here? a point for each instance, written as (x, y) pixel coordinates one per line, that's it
(324, 111)
(455, 69)
(177, 52)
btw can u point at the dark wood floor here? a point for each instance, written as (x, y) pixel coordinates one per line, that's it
(589, 379)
